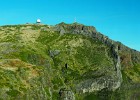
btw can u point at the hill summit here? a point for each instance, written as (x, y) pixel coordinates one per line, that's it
(65, 62)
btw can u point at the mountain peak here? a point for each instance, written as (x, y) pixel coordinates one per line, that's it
(65, 61)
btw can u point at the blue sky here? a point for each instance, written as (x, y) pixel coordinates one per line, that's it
(118, 19)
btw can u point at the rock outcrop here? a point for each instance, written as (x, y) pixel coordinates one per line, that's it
(91, 85)
(66, 94)
(111, 83)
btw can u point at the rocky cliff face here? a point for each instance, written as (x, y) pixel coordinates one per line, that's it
(91, 32)
(66, 62)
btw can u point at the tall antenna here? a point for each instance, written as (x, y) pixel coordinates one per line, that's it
(75, 20)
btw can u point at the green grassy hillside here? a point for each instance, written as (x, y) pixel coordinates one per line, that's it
(65, 62)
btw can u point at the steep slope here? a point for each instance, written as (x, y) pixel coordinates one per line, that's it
(65, 61)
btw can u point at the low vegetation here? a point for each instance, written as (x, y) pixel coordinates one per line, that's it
(39, 63)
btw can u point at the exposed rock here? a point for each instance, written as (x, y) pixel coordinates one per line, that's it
(66, 94)
(105, 82)
(110, 82)
(54, 52)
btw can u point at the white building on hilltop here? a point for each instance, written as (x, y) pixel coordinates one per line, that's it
(38, 21)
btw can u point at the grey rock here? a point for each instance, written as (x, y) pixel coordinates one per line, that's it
(54, 52)
(66, 94)
(111, 82)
